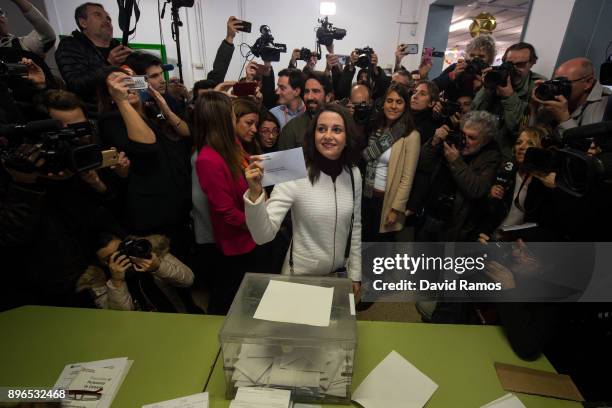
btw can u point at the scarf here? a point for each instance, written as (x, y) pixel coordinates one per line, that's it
(379, 142)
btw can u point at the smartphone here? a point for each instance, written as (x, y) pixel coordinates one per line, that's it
(427, 53)
(246, 27)
(138, 82)
(244, 88)
(109, 158)
(409, 49)
(343, 59)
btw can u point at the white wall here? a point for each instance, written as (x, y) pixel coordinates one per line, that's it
(545, 31)
(373, 23)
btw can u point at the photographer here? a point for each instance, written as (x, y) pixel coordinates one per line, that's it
(464, 76)
(588, 100)
(158, 194)
(17, 93)
(133, 283)
(82, 56)
(289, 91)
(310, 63)
(509, 101)
(367, 60)
(463, 170)
(317, 90)
(39, 41)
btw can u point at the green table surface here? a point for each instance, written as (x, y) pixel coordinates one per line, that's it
(173, 354)
(458, 358)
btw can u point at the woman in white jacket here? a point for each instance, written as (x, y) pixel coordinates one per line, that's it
(325, 206)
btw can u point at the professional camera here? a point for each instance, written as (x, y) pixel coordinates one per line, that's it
(365, 57)
(449, 108)
(182, 3)
(13, 70)
(137, 248)
(327, 33)
(505, 174)
(305, 54)
(68, 148)
(547, 91)
(577, 172)
(362, 112)
(265, 47)
(475, 67)
(498, 76)
(456, 139)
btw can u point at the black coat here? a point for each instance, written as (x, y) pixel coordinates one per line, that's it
(81, 64)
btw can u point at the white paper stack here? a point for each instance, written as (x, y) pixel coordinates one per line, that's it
(321, 371)
(192, 401)
(261, 398)
(395, 383)
(507, 401)
(96, 382)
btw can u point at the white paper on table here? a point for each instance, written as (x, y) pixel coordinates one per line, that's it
(119, 366)
(290, 302)
(252, 397)
(409, 387)
(192, 401)
(507, 401)
(282, 166)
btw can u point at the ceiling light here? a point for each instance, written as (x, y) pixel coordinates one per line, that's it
(327, 8)
(460, 25)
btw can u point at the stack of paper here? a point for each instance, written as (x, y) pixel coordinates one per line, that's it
(395, 383)
(507, 401)
(261, 398)
(289, 302)
(192, 401)
(92, 384)
(322, 371)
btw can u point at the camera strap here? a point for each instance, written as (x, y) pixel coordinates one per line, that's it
(125, 16)
(347, 248)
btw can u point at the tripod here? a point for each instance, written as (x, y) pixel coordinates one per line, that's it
(176, 36)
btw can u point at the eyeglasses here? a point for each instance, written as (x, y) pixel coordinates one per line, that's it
(268, 131)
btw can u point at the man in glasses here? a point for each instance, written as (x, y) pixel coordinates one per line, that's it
(510, 101)
(588, 101)
(39, 41)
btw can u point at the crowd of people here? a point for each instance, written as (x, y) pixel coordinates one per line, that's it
(181, 204)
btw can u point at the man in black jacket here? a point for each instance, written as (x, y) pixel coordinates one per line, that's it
(81, 57)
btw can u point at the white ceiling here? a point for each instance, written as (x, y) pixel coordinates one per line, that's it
(509, 14)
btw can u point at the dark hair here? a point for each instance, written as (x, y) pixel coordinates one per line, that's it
(59, 99)
(432, 88)
(81, 12)
(296, 77)
(105, 102)
(140, 61)
(321, 78)
(214, 127)
(266, 116)
(404, 92)
(245, 106)
(312, 155)
(104, 238)
(533, 58)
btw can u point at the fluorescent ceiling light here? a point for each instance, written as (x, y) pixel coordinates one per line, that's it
(460, 25)
(327, 8)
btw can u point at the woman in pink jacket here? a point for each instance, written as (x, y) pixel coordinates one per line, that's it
(220, 168)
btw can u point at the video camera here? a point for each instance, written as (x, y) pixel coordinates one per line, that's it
(265, 47)
(365, 57)
(327, 33)
(70, 148)
(577, 171)
(13, 70)
(498, 76)
(547, 91)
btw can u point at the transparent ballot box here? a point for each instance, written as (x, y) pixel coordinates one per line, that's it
(314, 362)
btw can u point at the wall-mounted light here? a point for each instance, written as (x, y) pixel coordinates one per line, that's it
(327, 8)
(460, 25)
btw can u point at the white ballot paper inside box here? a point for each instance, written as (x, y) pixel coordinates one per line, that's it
(289, 302)
(395, 383)
(192, 401)
(283, 166)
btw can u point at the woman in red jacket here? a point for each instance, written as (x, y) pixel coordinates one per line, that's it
(220, 167)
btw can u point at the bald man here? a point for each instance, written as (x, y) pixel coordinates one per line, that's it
(588, 101)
